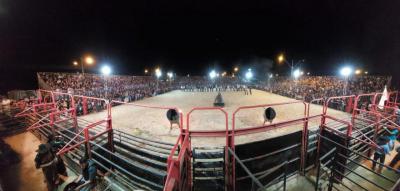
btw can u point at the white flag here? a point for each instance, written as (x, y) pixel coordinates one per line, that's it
(383, 99)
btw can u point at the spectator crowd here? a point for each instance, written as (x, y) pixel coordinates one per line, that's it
(314, 87)
(132, 88)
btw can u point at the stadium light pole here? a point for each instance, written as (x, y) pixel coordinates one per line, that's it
(88, 60)
(158, 73)
(170, 76)
(270, 76)
(292, 64)
(106, 71)
(346, 72)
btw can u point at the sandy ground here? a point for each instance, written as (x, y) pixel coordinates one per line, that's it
(153, 124)
(24, 176)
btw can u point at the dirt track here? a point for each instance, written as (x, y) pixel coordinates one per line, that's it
(153, 124)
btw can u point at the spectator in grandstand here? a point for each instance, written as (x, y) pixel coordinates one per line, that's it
(381, 152)
(46, 160)
(132, 88)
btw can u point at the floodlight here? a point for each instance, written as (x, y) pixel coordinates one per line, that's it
(106, 70)
(346, 71)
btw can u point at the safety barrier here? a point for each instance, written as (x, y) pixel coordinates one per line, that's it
(179, 174)
(226, 133)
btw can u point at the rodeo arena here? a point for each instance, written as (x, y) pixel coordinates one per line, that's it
(195, 133)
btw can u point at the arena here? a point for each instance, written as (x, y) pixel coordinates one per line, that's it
(152, 122)
(221, 138)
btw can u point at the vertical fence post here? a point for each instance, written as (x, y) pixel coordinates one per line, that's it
(285, 175)
(304, 143)
(39, 96)
(318, 173)
(377, 127)
(84, 105)
(321, 128)
(52, 124)
(53, 97)
(87, 140)
(332, 174)
(109, 128)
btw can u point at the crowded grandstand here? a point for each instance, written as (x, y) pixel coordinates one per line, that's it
(131, 88)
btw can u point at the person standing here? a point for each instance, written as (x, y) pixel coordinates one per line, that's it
(380, 152)
(392, 135)
(48, 163)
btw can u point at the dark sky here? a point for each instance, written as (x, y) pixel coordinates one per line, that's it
(192, 36)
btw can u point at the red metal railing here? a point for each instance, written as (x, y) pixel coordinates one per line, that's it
(250, 130)
(87, 137)
(212, 133)
(178, 167)
(155, 107)
(53, 117)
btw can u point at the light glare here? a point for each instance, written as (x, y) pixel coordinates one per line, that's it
(249, 74)
(297, 73)
(346, 71)
(169, 74)
(106, 70)
(158, 73)
(212, 74)
(89, 60)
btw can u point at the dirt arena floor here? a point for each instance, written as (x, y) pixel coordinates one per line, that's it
(153, 124)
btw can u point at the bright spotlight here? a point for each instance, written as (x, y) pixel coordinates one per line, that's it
(271, 76)
(170, 75)
(106, 70)
(358, 71)
(346, 71)
(89, 60)
(297, 73)
(281, 58)
(212, 74)
(158, 72)
(249, 74)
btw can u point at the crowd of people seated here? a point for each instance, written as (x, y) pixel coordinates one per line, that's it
(115, 87)
(132, 88)
(314, 87)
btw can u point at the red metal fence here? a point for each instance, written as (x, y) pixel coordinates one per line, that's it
(179, 167)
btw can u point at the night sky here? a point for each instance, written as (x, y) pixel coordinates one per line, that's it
(190, 37)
